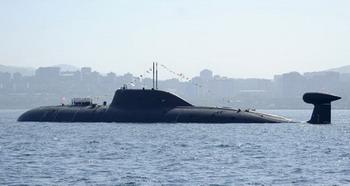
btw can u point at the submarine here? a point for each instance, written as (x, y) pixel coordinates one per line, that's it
(157, 106)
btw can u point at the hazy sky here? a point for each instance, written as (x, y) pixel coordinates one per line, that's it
(246, 38)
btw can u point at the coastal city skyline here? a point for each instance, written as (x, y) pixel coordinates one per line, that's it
(53, 85)
(164, 71)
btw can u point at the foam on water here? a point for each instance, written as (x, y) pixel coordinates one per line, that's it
(193, 154)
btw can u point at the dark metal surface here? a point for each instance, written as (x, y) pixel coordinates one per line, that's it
(150, 106)
(322, 107)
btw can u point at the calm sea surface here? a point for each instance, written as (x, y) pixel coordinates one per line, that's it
(175, 154)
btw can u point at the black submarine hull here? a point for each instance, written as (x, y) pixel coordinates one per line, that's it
(155, 106)
(183, 114)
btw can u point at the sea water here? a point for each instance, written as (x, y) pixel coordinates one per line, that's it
(175, 154)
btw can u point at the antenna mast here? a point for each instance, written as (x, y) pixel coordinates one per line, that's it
(153, 75)
(156, 76)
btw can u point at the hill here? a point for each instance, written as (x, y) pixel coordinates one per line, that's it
(343, 69)
(26, 71)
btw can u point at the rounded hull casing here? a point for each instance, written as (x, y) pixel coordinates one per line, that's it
(182, 114)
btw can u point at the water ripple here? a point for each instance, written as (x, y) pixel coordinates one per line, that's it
(183, 154)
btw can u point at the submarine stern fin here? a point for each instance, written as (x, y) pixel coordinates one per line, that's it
(322, 106)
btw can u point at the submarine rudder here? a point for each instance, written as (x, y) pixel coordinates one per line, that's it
(321, 113)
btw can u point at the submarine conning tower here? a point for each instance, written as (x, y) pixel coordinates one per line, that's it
(146, 98)
(322, 106)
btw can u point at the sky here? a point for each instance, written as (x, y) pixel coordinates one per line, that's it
(240, 39)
